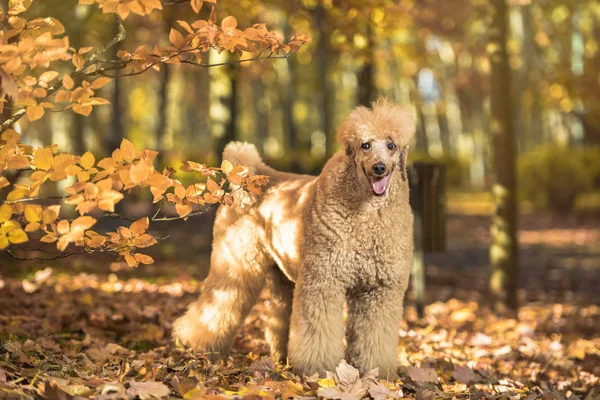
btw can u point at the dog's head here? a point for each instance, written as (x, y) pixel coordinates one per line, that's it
(377, 140)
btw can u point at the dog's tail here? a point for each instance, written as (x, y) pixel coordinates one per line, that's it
(242, 153)
(245, 154)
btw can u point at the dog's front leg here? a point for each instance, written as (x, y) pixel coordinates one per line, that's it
(372, 331)
(317, 330)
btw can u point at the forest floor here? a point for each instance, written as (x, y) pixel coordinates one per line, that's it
(85, 327)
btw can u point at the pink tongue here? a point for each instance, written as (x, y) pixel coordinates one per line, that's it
(379, 184)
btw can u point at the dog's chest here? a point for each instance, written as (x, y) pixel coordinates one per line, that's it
(373, 248)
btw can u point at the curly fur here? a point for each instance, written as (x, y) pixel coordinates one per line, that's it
(331, 239)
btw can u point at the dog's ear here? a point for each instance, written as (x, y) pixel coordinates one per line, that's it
(348, 149)
(403, 158)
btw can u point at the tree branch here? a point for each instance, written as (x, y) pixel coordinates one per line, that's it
(53, 89)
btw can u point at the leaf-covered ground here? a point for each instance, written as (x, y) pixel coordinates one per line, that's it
(98, 334)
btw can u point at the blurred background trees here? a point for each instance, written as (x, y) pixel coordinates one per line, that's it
(431, 54)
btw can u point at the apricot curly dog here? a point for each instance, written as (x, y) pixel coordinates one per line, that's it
(344, 236)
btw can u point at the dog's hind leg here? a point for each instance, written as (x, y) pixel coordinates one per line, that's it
(280, 310)
(235, 280)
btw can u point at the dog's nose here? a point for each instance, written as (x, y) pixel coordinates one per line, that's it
(379, 168)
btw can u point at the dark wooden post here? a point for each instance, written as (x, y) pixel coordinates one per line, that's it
(418, 269)
(428, 202)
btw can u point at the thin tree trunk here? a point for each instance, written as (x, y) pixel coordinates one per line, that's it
(323, 55)
(442, 118)
(504, 253)
(422, 141)
(163, 103)
(261, 126)
(232, 102)
(366, 87)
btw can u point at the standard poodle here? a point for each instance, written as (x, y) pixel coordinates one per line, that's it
(343, 237)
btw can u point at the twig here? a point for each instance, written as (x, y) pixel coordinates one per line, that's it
(56, 257)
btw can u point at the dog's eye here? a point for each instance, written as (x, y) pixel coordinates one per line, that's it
(365, 146)
(391, 146)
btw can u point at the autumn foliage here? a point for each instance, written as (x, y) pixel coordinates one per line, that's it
(39, 70)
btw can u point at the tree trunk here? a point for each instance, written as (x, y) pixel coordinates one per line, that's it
(287, 95)
(504, 254)
(366, 87)
(442, 118)
(163, 104)
(232, 102)
(323, 55)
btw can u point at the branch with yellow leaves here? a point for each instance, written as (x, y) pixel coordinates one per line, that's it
(99, 187)
(200, 36)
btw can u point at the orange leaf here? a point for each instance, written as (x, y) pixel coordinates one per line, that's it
(35, 112)
(140, 226)
(68, 82)
(197, 5)
(183, 209)
(229, 23)
(212, 185)
(83, 223)
(128, 152)
(48, 76)
(144, 259)
(82, 109)
(77, 61)
(140, 172)
(131, 261)
(19, 161)
(176, 38)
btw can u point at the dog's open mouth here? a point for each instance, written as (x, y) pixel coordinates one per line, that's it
(379, 184)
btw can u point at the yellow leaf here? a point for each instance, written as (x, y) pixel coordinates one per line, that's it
(3, 242)
(33, 213)
(17, 236)
(68, 82)
(3, 182)
(5, 212)
(226, 167)
(32, 227)
(140, 226)
(17, 194)
(42, 158)
(87, 160)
